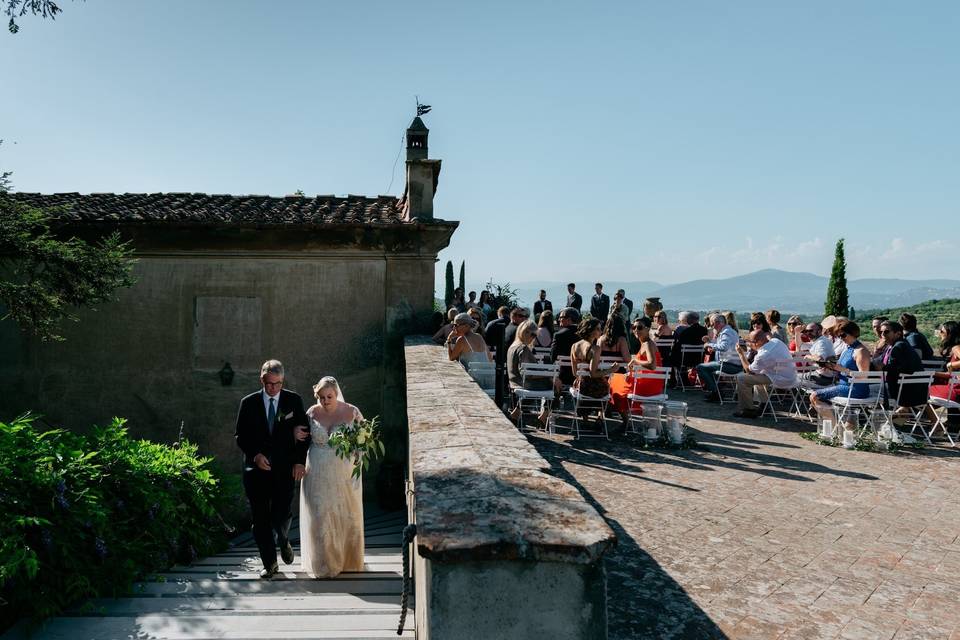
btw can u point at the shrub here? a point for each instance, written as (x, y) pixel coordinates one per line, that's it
(84, 516)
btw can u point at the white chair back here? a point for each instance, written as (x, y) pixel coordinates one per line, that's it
(933, 365)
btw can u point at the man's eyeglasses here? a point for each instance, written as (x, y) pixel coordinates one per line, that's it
(886, 332)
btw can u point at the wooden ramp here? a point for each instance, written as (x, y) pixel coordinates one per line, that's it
(223, 597)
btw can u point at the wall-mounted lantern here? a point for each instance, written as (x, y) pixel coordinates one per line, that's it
(226, 375)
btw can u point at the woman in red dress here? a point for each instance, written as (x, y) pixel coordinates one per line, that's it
(949, 333)
(647, 359)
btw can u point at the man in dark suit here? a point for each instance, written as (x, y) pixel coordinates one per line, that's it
(574, 299)
(627, 302)
(542, 305)
(600, 304)
(273, 461)
(493, 334)
(900, 358)
(688, 332)
(565, 337)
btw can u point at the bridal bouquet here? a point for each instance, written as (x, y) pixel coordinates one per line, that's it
(359, 440)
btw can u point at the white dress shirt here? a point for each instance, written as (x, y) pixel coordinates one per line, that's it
(775, 361)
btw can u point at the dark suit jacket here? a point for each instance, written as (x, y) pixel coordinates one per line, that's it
(686, 335)
(600, 306)
(918, 341)
(903, 359)
(540, 307)
(493, 334)
(575, 300)
(563, 340)
(253, 434)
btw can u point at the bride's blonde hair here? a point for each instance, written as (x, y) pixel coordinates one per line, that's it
(326, 382)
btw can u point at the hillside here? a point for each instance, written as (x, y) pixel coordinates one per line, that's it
(930, 315)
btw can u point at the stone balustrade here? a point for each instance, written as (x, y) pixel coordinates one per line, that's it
(503, 548)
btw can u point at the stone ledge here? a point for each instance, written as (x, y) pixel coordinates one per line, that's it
(482, 492)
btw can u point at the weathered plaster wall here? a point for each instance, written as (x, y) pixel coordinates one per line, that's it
(140, 357)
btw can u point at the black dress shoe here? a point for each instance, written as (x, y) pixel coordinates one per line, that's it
(746, 413)
(268, 572)
(286, 552)
(712, 397)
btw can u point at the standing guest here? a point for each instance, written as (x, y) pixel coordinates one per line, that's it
(773, 317)
(486, 306)
(600, 303)
(726, 360)
(493, 333)
(440, 337)
(855, 357)
(820, 350)
(464, 344)
(574, 299)
(542, 304)
(916, 339)
(586, 352)
(565, 337)
(273, 462)
(661, 325)
(619, 308)
(773, 365)
(545, 330)
(627, 302)
(651, 306)
(477, 315)
(458, 302)
(900, 359)
(792, 323)
(521, 352)
(949, 334)
(613, 343)
(517, 316)
(472, 301)
(647, 359)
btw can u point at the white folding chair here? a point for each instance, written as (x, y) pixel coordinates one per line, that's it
(485, 375)
(805, 368)
(587, 403)
(542, 354)
(780, 394)
(688, 353)
(843, 406)
(664, 346)
(651, 406)
(942, 406)
(528, 397)
(725, 378)
(933, 365)
(915, 380)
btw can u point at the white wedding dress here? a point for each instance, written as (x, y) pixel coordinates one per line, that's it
(331, 510)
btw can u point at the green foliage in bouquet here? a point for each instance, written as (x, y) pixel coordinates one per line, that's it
(85, 516)
(359, 440)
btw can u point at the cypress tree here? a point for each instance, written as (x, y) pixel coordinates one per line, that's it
(837, 303)
(448, 291)
(463, 278)
(853, 313)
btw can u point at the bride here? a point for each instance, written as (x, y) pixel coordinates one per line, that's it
(331, 500)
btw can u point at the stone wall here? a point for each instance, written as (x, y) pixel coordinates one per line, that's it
(503, 549)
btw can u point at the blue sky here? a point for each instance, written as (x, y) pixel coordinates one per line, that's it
(628, 141)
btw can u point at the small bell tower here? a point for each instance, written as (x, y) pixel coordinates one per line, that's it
(422, 174)
(417, 134)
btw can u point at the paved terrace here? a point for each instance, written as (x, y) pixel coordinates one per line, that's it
(223, 597)
(761, 534)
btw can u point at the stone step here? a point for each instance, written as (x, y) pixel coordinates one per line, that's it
(225, 627)
(324, 603)
(285, 573)
(390, 586)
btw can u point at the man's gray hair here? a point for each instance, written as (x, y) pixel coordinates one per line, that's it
(683, 317)
(693, 316)
(272, 366)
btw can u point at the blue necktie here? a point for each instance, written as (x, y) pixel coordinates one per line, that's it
(271, 415)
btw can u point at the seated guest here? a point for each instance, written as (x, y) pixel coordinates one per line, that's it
(545, 329)
(477, 315)
(472, 301)
(856, 357)
(792, 323)
(820, 350)
(758, 321)
(457, 301)
(493, 332)
(688, 332)
(661, 326)
(440, 337)
(613, 343)
(875, 326)
(831, 326)
(587, 352)
(647, 359)
(517, 317)
(900, 358)
(773, 365)
(464, 344)
(564, 339)
(916, 339)
(521, 352)
(949, 334)
(776, 331)
(731, 319)
(727, 360)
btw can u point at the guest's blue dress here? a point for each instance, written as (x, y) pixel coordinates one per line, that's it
(842, 388)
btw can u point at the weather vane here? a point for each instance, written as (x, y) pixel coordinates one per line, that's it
(422, 109)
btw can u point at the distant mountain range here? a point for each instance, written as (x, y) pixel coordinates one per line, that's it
(760, 290)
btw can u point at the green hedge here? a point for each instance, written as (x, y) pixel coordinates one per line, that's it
(84, 516)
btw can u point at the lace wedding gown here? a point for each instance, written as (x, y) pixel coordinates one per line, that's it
(331, 510)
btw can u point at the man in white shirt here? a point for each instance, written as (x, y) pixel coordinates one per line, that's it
(819, 349)
(772, 366)
(726, 356)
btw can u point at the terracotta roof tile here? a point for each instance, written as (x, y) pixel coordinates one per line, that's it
(205, 210)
